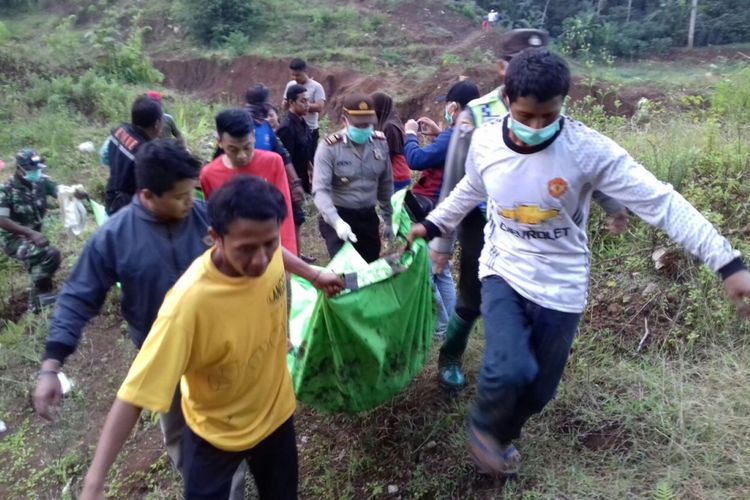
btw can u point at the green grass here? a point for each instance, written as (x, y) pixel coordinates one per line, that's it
(668, 75)
(666, 421)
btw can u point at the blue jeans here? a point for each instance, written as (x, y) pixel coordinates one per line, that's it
(526, 348)
(445, 298)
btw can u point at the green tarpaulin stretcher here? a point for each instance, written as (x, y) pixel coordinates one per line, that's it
(356, 351)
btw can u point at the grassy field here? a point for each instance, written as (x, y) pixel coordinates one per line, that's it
(656, 397)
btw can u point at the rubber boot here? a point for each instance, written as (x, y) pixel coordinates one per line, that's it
(33, 304)
(450, 375)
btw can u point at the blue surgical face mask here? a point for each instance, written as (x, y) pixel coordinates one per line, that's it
(360, 135)
(33, 175)
(533, 136)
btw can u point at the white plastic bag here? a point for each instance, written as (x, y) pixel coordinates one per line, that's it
(72, 209)
(87, 147)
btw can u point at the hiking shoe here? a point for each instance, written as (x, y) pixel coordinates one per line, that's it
(491, 457)
(450, 377)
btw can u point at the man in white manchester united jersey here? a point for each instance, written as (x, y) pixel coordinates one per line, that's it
(538, 170)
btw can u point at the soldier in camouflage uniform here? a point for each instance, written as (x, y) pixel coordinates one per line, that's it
(23, 203)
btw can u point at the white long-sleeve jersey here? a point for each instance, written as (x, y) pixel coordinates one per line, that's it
(538, 208)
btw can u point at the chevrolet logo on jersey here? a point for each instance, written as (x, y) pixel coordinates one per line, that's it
(530, 215)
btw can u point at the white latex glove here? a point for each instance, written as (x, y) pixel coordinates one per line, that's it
(344, 231)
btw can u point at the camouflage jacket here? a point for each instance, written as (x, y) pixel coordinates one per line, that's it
(25, 203)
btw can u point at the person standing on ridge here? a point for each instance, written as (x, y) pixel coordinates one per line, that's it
(316, 97)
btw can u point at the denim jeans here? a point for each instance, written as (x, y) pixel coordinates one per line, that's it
(445, 298)
(526, 348)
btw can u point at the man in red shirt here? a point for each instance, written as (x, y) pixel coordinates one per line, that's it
(237, 139)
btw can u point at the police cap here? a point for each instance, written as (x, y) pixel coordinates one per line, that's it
(359, 109)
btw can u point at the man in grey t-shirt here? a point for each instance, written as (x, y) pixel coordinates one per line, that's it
(315, 94)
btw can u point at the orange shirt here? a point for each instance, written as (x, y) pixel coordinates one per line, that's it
(266, 165)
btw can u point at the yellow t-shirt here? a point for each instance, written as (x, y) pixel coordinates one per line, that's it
(225, 340)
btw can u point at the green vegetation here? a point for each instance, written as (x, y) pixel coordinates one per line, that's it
(627, 28)
(213, 21)
(655, 400)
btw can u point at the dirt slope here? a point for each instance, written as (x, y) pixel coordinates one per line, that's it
(225, 81)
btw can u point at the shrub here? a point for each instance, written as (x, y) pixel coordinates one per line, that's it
(4, 33)
(236, 43)
(732, 97)
(125, 61)
(92, 95)
(212, 21)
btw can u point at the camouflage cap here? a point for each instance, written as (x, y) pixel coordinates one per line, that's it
(516, 41)
(359, 109)
(28, 159)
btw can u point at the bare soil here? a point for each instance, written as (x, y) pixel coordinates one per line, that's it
(225, 81)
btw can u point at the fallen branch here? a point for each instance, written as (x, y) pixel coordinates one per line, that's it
(645, 335)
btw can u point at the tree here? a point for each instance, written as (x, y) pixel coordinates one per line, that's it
(213, 21)
(691, 28)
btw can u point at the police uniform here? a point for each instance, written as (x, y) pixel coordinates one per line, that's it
(349, 180)
(25, 203)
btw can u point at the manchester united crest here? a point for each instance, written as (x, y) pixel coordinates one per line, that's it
(557, 187)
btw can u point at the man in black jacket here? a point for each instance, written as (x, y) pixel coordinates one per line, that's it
(296, 136)
(146, 124)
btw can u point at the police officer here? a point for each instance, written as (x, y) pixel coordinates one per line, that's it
(23, 203)
(488, 108)
(352, 172)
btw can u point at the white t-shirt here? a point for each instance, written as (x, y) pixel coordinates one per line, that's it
(315, 94)
(539, 204)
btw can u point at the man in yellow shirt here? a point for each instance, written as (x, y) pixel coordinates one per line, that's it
(221, 332)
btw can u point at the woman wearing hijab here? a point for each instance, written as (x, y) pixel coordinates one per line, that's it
(390, 124)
